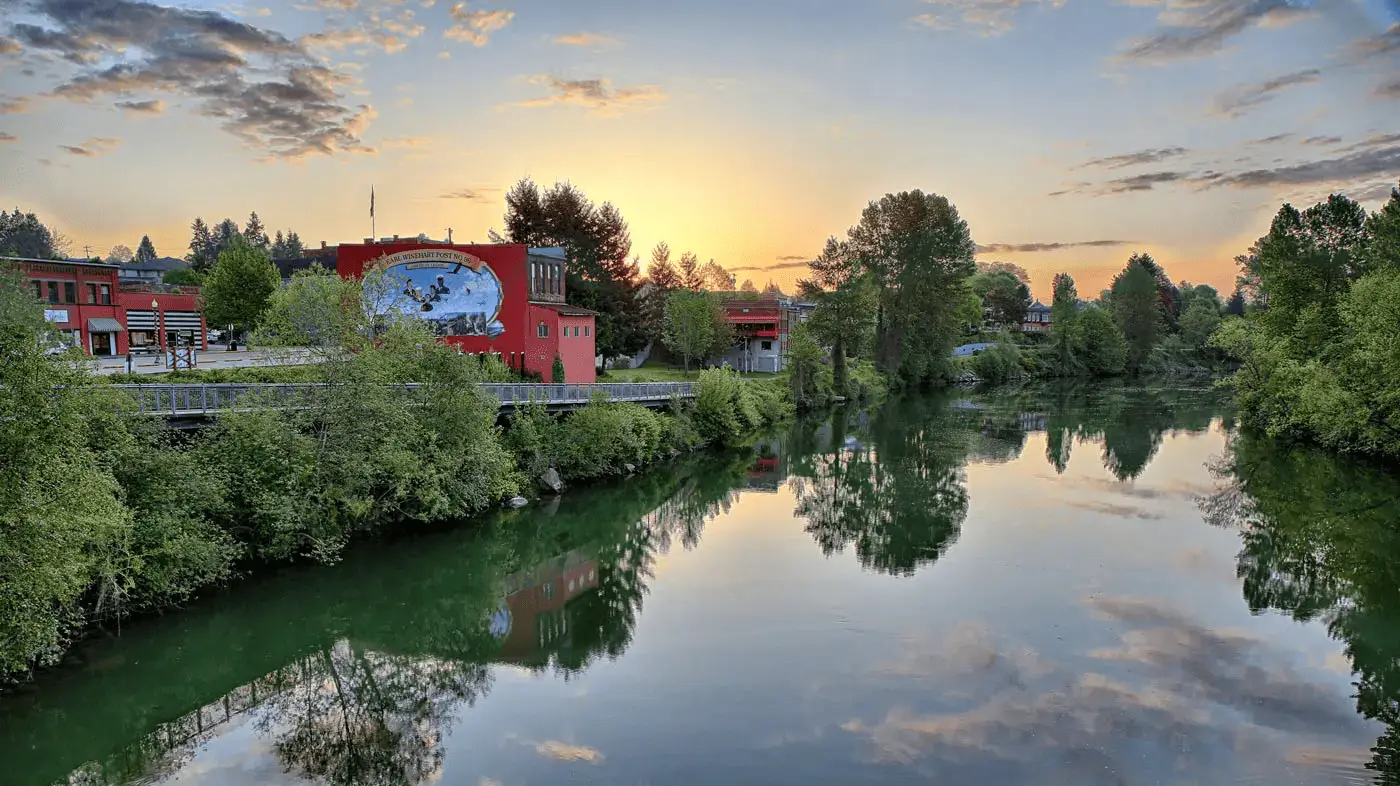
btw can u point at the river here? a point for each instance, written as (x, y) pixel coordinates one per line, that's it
(1053, 585)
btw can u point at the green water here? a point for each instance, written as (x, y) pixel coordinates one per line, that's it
(1051, 586)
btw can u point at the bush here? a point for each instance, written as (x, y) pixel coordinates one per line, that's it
(867, 384)
(998, 364)
(556, 372)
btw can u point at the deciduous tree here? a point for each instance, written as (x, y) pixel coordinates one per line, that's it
(1136, 309)
(691, 325)
(24, 235)
(237, 290)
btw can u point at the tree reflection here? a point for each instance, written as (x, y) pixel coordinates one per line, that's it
(898, 497)
(1320, 541)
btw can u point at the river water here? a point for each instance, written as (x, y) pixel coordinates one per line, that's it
(1056, 585)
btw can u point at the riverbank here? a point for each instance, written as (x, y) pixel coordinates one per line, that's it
(114, 518)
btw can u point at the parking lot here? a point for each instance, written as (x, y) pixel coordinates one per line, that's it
(206, 359)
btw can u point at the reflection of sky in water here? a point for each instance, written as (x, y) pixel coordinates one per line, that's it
(1102, 642)
(471, 292)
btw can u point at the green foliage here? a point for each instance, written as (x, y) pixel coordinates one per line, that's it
(1135, 301)
(918, 252)
(727, 408)
(189, 277)
(998, 364)
(1005, 297)
(809, 381)
(1199, 321)
(556, 372)
(24, 235)
(239, 287)
(1322, 362)
(694, 325)
(145, 250)
(1104, 352)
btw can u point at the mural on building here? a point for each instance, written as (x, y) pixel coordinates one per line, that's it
(457, 293)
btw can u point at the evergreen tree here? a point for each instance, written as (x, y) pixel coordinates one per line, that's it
(24, 235)
(1137, 311)
(145, 250)
(691, 274)
(844, 318)
(748, 286)
(1168, 295)
(254, 232)
(1064, 323)
(1235, 305)
(556, 372)
(279, 246)
(295, 249)
(202, 254)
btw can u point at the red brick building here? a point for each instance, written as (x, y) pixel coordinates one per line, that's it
(503, 299)
(86, 304)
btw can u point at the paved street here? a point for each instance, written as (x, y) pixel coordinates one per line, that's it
(206, 359)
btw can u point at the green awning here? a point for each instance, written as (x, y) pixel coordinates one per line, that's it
(104, 325)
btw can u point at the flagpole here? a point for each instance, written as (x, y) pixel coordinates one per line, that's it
(374, 236)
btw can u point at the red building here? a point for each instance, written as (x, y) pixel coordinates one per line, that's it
(85, 303)
(761, 327)
(503, 299)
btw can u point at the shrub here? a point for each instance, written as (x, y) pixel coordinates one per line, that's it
(556, 372)
(998, 364)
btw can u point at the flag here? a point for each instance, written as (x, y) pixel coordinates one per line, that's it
(371, 201)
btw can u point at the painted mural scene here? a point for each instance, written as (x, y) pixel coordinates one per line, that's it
(649, 405)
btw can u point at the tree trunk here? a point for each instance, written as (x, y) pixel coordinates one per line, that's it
(839, 375)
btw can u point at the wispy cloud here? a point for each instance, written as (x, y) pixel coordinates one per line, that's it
(1033, 248)
(267, 90)
(154, 106)
(4, 137)
(1134, 159)
(596, 95)
(9, 46)
(1193, 29)
(989, 18)
(13, 106)
(1388, 90)
(406, 142)
(592, 40)
(1360, 167)
(562, 751)
(389, 43)
(475, 26)
(792, 263)
(1236, 101)
(92, 147)
(473, 194)
(1322, 141)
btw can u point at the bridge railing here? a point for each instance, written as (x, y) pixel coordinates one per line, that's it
(200, 399)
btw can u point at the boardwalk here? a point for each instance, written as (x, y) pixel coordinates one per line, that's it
(194, 402)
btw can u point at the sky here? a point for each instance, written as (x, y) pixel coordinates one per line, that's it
(1069, 133)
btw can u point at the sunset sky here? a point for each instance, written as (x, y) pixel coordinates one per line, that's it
(1069, 133)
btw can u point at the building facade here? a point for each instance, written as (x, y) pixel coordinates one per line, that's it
(1037, 318)
(761, 328)
(90, 308)
(503, 299)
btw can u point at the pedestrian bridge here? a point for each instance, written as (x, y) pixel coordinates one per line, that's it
(194, 402)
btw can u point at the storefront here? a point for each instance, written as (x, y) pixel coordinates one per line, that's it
(160, 316)
(103, 336)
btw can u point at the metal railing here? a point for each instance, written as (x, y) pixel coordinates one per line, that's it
(174, 400)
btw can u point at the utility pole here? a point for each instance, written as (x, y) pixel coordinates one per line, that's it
(87, 251)
(449, 236)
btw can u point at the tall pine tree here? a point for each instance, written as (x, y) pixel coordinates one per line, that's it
(145, 250)
(202, 249)
(254, 233)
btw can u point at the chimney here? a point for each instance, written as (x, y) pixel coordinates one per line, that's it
(396, 238)
(369, 241)
(323, 244)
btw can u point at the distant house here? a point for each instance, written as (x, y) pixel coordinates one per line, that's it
(150, 271)
(1037, 319)
(289, 267)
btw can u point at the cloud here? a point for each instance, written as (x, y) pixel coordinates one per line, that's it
(1032, 248)
(1322, 141)
(1388, 90)
(472, 194)
(444, 55)
(1143, 182)
(1375, 162)
(561, 751)
(1199, 28)
(92, 147)
(585, 39)
(760, 268)
(404, 142)
(1387, 43)
(475, 27)
(1004, 714)
(153, 106)
(4, 137)
(13, 106)
(596, 95)
(355, 36)
(1233, 103)
(267, 90)
(1134, 159)
(989, 18)
(9, 46)
(1271, 140)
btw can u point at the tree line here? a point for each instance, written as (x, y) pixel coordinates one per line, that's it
(1319, 343)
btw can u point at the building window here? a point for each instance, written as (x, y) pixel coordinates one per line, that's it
(38, 290)
(587, 330)
(542, 331)
(766, 346)
(105, 294)
(70, 292)
(53, 291)
(91, 293)
(575, 331)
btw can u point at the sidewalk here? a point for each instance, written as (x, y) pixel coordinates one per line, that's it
(205, 359)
